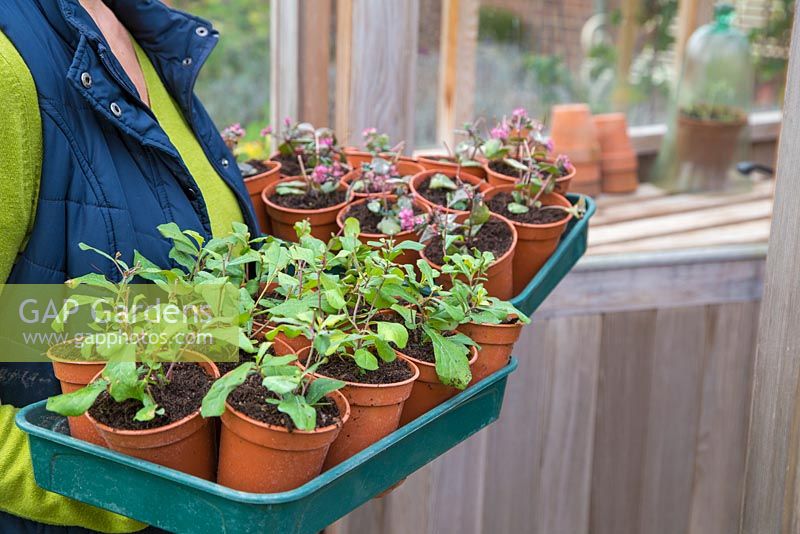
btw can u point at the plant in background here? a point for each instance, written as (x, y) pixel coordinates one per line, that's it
(517, 137)
(312, 146)
(397, 214)
(291, 389)
(378, 144)
(249, 154)
(468, 150)
(379, 176)
(326, 170)
(459, 193)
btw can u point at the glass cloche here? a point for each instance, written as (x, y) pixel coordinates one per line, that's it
(708, 133)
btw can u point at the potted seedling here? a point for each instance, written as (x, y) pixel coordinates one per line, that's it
(303, 145)
(447, 190)
(494, 324)
(706, 140)
(317, 194)
(450, 233)
(378, 145)
(351, 284)
(394, 214)
(521, 139)
(539, 215)
(277, 422)
(257, 171)
(465, 159)
(146, 401)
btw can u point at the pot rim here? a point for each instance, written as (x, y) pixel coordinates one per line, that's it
(559, 180)
(157, 430)
(558, 196)
(275, 167)
(497, 261)
(472, 360)
(518, 324)
(711, 123)
(399, 354)
(416, 202)
(272, 187)
(53, 358)
(464, 177)
(266, 426)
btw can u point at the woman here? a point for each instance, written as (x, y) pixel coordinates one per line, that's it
(101, 140)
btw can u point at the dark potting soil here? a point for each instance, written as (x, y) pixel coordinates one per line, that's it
(312, 200)
(494, 236)
(504, 168)
(346, 369)
(500, 201)
(419, 348)
(180, 398)
(258, 165)
(437, 196)
(250, 399)
(369, 221)
(289, 165)
(227, 367)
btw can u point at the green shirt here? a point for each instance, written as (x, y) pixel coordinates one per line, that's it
(21, 153)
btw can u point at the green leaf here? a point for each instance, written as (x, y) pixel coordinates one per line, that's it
(374, 206)
(123, 378)
(149, 409)
(365, 360)
(78, 402)
(452, 364)
(281, 384)
(303, 416)
(389, 226)
(385, 351)
(396, 333)
(320, 387)
(352, 227)
(516, 164)
(441, 181)
(517, 208)
(214, 401)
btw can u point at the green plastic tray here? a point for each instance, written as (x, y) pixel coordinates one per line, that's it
(569, 251)
(182, 503)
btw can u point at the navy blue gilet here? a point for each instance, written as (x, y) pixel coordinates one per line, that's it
(110, 174)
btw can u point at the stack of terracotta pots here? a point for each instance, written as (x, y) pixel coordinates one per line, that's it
(619, 165)
(574, 134)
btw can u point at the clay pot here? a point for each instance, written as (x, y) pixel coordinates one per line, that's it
(323, 221)
(497, 178)
(500, 281)
(256, 185)
(405, 168)
(428, 392)
(574, 134)
(73, 376)
(407, 257)
(374, 414)
(417, 180)
(283, 343)
(496, 344)
(618, 162)
(356, 157)
(447, 163)
(187, 445)
(707, 148)
(537, 242)
(263, 458)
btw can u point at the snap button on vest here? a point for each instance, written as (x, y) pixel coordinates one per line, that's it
(201, 31)
(115, 109)
(187, 61)
(86, 80)
(225, 162)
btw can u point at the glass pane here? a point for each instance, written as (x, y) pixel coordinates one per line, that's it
(234, 83)
(428, 46)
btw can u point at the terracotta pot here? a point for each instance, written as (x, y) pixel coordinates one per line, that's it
(256, 185)
(537, 242)
(283, 343)
(497, 178)
(73, 376)
(428, 391)
(323, 221)
(447, 163)
(405, 168)
(619, 165)
(574, 134)
(407, 257)
(707, 149)
(500, 281)
(416, 181)
(187, 445)
(263, 458)
(496, 344)
(356, 157)
(374, 414)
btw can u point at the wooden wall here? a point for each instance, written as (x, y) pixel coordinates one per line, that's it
(624, 422)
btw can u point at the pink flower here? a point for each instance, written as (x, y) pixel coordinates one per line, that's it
(500, 131)
(563, 162)
(320, 174)
(407, 219)
(519, 113)
(326, 142)
(369, 131)
(287, 121)
(548, 145)
(266, 131)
